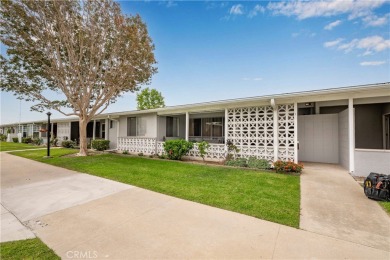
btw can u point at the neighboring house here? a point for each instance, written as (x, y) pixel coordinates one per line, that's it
(348, 126)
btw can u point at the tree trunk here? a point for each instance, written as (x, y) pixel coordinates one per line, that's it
(83, 137)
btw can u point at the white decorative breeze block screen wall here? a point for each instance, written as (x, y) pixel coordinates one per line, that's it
(251, 130)
(286, 132)
(137, 145)
(215, 152)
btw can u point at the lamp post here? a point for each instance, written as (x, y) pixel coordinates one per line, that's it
(48, 133)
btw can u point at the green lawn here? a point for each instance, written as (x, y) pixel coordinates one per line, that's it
(265, 195)
(385, 205)
(26, 249)
(5, 146)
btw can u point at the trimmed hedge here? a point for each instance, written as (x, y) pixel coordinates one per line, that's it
(68, 144)
(15, 139)
(101, 144)
(27, 140)
(175, 149)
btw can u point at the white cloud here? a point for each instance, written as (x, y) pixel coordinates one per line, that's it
(372, 63)
(257, 79)
(333, 43)
(369, 44)
(373, 20)
(256, 10)
(332, 25)
(307, 9)
(236, 9)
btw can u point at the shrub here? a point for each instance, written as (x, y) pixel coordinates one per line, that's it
(282, 166)
(125, 152)
(238, 162)
(101, 144)
(37, 141)
(15, 139)
(262, 164)
(141, 154)
(3, 138)
(232, 151)
(175, 149)
(27, 140)
(54, 142)
(68, 144)
(203, 146)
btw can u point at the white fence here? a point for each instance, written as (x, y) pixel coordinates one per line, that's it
(147, 146)
(137, 145)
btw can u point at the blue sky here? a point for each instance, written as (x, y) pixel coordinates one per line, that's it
(213, 50)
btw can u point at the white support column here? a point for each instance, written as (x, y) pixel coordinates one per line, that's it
(276, 139)
(94, 130)
(226, 126)
(187, 126)
(351, 135)
(107, 129)
(117, 128)
(296, 132)
(70, 130)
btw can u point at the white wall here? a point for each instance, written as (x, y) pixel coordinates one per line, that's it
(367, 161)
(112, 133)
(63, 130)
(343, 139)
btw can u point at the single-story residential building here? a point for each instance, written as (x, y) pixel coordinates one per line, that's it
(349, 126)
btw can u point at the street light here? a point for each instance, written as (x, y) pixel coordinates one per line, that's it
(48, 133)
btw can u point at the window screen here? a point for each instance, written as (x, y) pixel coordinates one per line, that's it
(172, 127)
(131, 126)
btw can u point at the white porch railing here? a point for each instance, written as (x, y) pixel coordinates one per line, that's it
(143, 145)
(216, 152)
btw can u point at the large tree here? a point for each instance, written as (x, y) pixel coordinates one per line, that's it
(76, 57)
(149, 98)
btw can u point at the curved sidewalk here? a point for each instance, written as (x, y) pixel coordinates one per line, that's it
(78, 213)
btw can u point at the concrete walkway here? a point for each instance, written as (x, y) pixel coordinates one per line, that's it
(333, 204)
(75, 213)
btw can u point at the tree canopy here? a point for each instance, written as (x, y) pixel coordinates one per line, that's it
(149, 98)
(76, 57)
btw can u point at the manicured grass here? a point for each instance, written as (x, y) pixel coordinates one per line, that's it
(386, 206)
(265, 195)
(5, 146)
(26, 249)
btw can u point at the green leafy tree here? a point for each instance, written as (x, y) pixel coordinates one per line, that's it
(76, 57)
(149, 98)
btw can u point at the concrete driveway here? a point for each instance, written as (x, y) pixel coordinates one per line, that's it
(333, 204)
(81, 215)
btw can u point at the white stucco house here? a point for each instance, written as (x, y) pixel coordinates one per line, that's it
(349, 126)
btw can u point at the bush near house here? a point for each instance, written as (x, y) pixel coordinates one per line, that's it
(101, 144)
(251, 162)
(261, 164)
(27, 140)
(15, 139)
(68, 144)
(238, 162)
(175, 149)
(282, 166)
(3, 138)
